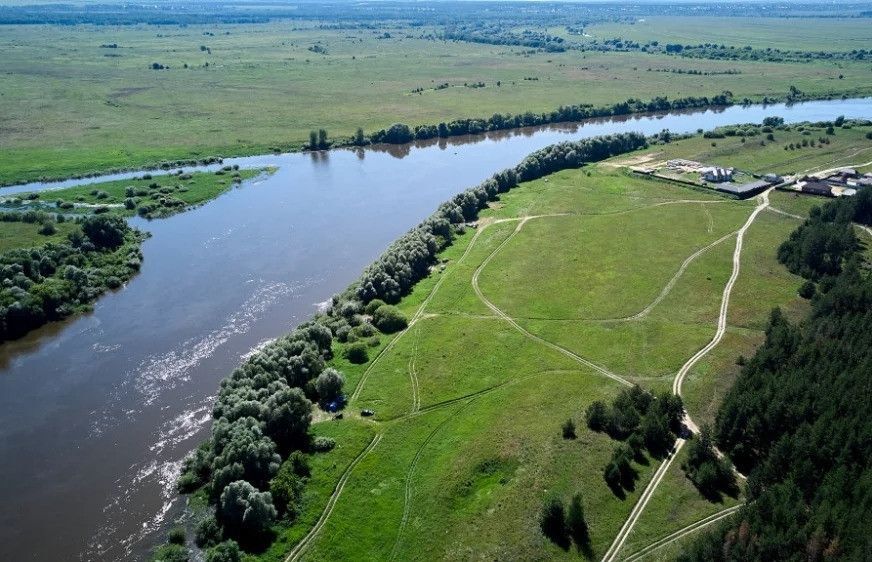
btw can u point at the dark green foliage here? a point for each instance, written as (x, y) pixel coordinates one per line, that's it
(357, 353)
(172, 553)
(568, 429)
(244, 512)
(807, 290)
(797, 422)
(287, 490)
(242, 452)
(176, 535)
(208, 533)
(597, 416)
(711, 475)
(552, 522)
(388, 319)
(372, 306)
(55, 280)
(105, 232)
(300, 464)
(576, 523)
(329, 384)
(227, 551)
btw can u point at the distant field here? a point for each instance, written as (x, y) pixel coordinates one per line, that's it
(801, 34)
(469, 408)
(68, 106)
(14, 235)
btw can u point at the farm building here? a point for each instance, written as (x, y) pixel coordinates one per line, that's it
(745, 189)
(718, 175)
(817, 188)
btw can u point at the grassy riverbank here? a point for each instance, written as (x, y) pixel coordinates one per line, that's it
(71, 107)
(148, 196)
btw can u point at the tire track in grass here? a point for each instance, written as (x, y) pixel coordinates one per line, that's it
(304, 543)
(612, 553)
(418, 314)
(681, 533)
(413, 374)
(601, 370)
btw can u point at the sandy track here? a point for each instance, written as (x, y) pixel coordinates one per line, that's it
(301, 546)
(681, 533)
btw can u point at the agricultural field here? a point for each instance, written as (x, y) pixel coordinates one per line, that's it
(569, 285)
(77, 99)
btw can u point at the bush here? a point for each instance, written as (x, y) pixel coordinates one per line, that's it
(597, 416)
(244, 511)
(323, 444)
(575, 522)
(176, 535)
(287, 491)
(47, 229)
(373, 305)
(357, 353)
(569, 429)
(208, 533)
(329, 384)
(389, 319)
(227, 551)
(807, 290)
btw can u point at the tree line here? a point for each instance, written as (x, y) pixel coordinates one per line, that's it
(797, 421)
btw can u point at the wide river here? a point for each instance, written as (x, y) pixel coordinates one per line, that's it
(97, 413)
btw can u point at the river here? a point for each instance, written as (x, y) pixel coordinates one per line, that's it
(96, 413)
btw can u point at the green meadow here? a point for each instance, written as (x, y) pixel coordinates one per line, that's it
(624, 272)
(69, 106)
(149, 196)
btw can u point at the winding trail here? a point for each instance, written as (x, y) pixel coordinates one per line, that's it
(681, 533)
(602, 370)
(612, 553)
(301, 546)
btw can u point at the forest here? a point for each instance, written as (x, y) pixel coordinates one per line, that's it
(796, 421)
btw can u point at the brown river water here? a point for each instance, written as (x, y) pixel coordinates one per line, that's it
(97, 413)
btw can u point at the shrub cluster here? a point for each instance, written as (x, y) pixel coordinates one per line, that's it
(38, 285)
(643, 421)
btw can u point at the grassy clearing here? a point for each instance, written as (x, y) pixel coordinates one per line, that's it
(14, 235)
(149, 196)
(470, 409)
(71, 107)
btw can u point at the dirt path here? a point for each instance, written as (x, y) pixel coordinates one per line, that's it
(669, 286)
(301, 546)
(621, 538)
(418, 314)
(514, 324)
(842, 167)
(693, 527)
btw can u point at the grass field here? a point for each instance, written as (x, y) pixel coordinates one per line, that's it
(151, 196)
(468, 406)
(68, 106)
(806, 34)
(14, 235)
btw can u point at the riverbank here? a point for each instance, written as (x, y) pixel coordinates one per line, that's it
(107, 405)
